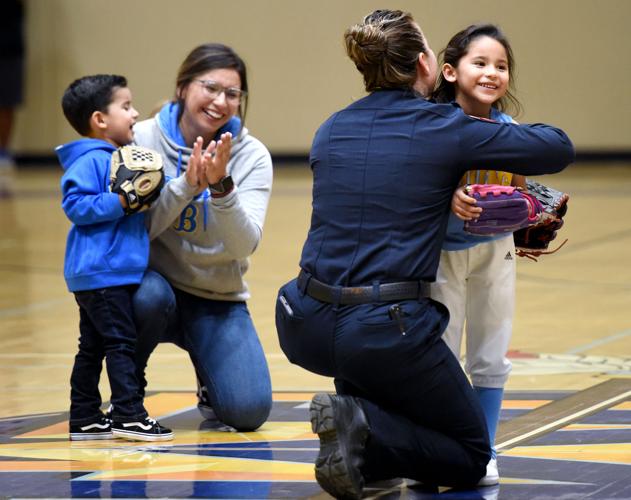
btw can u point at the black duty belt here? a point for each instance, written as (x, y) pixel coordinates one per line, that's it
(352, 295)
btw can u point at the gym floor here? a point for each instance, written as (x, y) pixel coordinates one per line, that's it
(566, 416)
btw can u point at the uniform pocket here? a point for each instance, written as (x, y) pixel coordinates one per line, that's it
(410, 320)
(302, 337)
(289, 324)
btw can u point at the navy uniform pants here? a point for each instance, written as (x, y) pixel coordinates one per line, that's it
(425, 421)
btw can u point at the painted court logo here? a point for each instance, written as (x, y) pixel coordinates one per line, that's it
(38, 461)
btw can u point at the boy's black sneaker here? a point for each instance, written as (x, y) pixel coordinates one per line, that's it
(108, 413)
(99, 429)
(146, 430)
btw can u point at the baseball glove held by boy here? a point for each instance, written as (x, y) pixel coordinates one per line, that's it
(137, 174)
(505, 209)
(533, 241)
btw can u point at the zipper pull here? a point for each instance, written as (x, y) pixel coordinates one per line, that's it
(396, 313)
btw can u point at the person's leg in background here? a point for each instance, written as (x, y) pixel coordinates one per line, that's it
(12, 49)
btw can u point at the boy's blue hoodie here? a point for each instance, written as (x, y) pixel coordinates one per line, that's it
(105, 247)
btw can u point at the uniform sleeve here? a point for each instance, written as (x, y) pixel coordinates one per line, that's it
(84, 200)
(522, 149)
(241, 214)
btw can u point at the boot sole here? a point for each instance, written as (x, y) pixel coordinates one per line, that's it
(331, 470)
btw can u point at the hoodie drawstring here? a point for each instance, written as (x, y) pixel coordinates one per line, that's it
(179, 162)
(205, 204)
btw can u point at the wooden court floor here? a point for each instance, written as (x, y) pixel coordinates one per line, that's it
(566, 417)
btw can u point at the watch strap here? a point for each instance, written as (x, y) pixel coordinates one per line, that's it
(222, 188)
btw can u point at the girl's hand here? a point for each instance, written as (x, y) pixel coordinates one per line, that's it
(216, 158)
(195, 176)
(519, 181)
(463, 205)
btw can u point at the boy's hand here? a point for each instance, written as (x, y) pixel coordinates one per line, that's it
(123, 201)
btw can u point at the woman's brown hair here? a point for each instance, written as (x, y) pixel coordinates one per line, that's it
(385, 49)
(205, 58)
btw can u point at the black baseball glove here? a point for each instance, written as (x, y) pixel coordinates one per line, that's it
(534, 240)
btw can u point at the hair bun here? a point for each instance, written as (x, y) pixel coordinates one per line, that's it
(385, 48)
(365, 45)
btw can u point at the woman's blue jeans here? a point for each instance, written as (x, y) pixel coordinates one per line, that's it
(220, 338)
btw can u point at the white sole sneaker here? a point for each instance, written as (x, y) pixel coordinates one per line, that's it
(492, 474)
(84, 436)
(98, 429)
(139, 436)
(147, 430)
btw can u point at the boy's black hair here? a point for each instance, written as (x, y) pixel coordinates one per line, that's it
(86, 95)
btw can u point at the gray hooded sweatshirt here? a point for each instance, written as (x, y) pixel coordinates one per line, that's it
(202, 245)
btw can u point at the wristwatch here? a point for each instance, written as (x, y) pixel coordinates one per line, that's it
(222, 188)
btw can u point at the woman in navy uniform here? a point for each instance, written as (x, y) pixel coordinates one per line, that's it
(385, 169)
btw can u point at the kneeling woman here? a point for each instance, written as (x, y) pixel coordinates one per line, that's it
(203, 228)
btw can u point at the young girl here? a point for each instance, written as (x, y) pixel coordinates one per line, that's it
(476, 275)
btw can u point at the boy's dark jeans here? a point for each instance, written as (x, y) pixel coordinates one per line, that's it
(107, 331)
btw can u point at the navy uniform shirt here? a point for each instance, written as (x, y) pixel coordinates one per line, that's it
(385, 169)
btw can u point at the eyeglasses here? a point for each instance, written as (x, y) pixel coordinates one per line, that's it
(214, 90)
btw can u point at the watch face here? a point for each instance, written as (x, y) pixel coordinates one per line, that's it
(223, 186)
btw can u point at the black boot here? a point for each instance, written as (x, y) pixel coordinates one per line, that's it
(341, 425)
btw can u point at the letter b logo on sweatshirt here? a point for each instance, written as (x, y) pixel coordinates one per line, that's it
(187, 219)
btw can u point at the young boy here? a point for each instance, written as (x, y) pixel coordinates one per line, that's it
(106, 255)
